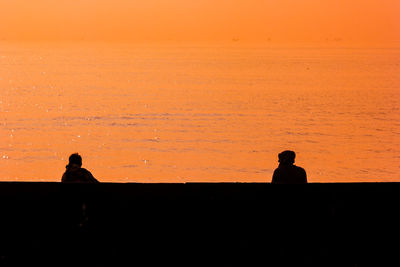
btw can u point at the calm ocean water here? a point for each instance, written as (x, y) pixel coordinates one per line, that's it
(141, 113)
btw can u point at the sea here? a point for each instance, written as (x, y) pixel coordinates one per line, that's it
(176, 113)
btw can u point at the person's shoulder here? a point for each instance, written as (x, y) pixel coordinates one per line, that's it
(299, 168)
(277, 176)
(302, 173)
(89, 176)
(83, 170)
(277, 171)
(64, 177)
(86, 173)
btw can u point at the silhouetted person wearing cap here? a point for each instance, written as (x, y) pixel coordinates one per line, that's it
(287, 172)
(75, 174)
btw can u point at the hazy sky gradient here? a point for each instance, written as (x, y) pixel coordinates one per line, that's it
(355, 21)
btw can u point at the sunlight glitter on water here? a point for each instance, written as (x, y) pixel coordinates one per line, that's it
(176, 114)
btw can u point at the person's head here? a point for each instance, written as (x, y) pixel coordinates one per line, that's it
(286, 157)
(75, 159)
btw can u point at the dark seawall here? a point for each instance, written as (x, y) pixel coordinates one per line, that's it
(205, 224)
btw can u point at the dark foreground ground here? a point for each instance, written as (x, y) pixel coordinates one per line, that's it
(219, 224)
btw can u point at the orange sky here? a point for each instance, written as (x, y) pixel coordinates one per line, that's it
(344, 21)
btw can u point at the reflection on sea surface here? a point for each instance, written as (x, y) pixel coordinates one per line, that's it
(206, 113)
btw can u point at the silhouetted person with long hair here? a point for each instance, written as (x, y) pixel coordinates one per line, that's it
(287, 172)
(74, 172)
